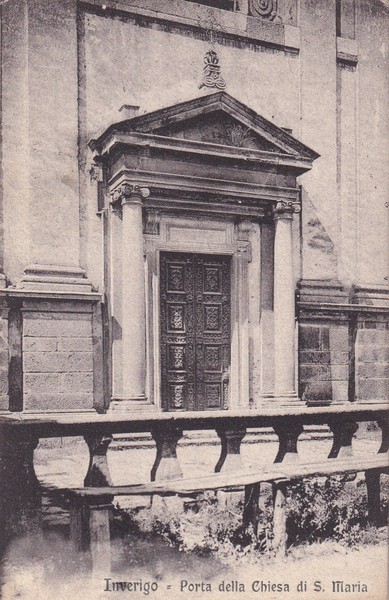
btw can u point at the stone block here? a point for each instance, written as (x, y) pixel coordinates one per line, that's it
(339, 391)
(372, 337)
(339, 338)
(369, 354)
(4, 382)
(4, 402)
(57, 362)
(309, 337)
(339, 372)
(309, 357)
(315, 373)
(58, 401)
(316, 392)
(64, 327)
(339, 358)
(372, 390)
(41, 383)
(75, 344)
(82, 382)
(39, 344)
(372, 370)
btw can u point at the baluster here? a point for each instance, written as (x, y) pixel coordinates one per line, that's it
(230, 460)
(90, 519)
(166, 465)
(288, 434)
(383, 423)
(343, 436)
(20, 494)
(98, 471)
(230, 457)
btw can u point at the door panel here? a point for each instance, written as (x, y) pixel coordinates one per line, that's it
(195, 331)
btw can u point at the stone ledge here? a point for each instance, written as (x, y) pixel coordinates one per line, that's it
(226, 24)
(346, 51)
(47, 294)
(371, 294)
(56, 278)
(321, 290)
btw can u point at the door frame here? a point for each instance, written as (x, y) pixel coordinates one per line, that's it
(199, 235)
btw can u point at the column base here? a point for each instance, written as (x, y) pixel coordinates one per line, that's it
(55, 278)
(140, 403)
(280, 400)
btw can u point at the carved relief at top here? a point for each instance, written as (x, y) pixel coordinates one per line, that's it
(231, 135)
(264, 9)
(212, 77)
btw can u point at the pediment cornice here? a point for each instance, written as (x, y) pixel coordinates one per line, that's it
(215, 123)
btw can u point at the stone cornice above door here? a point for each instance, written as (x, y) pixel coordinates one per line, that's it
(217, 119)
(210, 152)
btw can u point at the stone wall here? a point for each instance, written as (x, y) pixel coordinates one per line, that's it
(57, 361)
(324, 362)
(372, 360)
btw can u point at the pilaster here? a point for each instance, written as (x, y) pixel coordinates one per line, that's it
(129, 198)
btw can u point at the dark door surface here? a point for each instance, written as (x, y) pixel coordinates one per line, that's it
(195, 331)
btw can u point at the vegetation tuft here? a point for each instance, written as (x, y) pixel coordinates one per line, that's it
(317, 510)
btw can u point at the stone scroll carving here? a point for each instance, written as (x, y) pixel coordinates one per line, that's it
(264, 9)
(212, 77)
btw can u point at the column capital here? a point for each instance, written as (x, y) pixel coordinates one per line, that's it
(284, 209)
(129, 193)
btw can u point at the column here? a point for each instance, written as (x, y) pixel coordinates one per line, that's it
(284, 302)
(133, 297)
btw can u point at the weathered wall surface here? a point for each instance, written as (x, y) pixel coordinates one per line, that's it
(40, 113)
(372, 361)
(57, 361)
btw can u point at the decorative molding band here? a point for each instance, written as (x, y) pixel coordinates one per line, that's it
(55, 278)
(47, 294)
(237, 27)
(323, 298)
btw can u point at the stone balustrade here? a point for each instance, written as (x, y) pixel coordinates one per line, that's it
(19, 436)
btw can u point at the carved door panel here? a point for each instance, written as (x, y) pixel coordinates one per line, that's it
(195, 331)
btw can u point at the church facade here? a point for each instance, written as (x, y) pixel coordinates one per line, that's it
(194, 205)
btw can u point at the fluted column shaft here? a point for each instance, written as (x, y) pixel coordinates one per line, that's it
(130, 198)
(133, 298)
(284, 303)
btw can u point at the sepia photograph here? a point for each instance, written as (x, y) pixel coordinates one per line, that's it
(194, 299)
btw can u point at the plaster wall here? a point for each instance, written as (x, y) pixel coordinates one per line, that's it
(64, 82)
(373, 134)
(40, 135)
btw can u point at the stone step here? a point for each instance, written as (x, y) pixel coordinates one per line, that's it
(210, 438)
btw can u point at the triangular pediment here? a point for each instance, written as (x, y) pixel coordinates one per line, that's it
(217, 119)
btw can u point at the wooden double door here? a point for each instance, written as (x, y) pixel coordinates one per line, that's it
(195, 331)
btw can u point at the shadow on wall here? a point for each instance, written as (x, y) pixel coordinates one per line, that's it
(319, 257)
